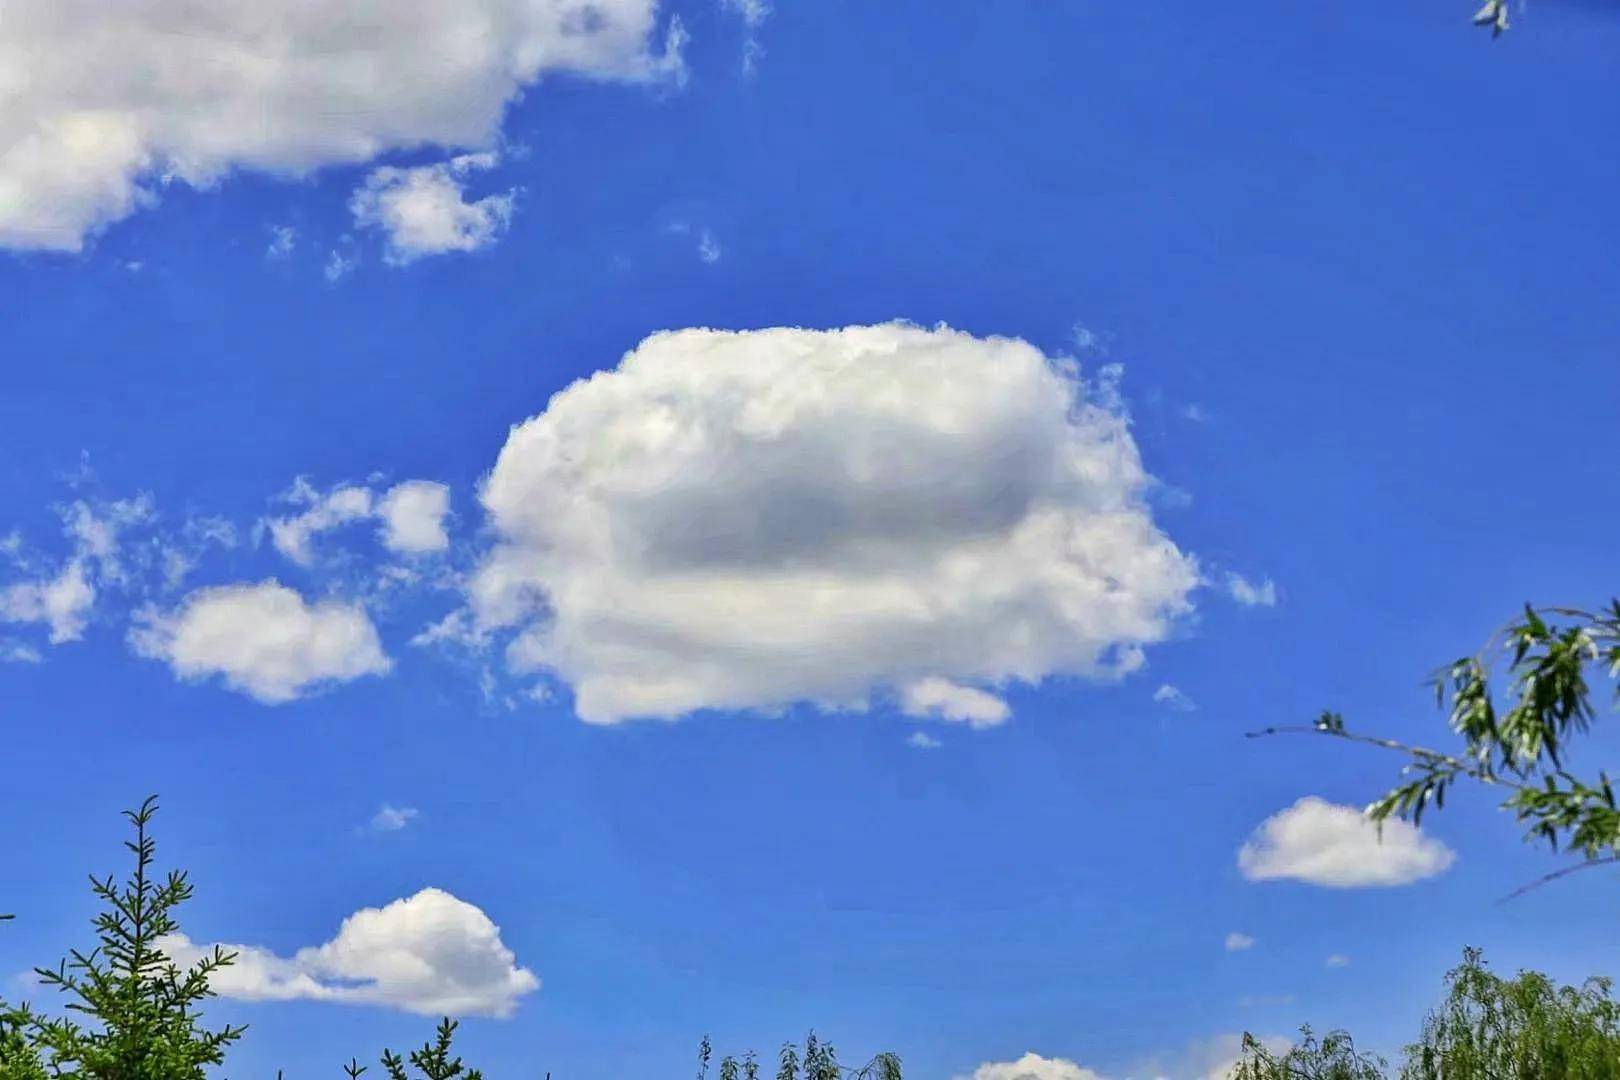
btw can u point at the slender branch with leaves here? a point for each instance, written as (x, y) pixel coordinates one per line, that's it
(1332, 1057)
(1517, 740)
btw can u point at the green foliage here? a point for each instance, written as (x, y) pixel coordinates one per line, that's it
(141, 1008)
(433, 1061)
(1332, 1057)
(1518, 704)
(819, 1062)
(19, 1058)
(788, 1063)
(1526, 1028)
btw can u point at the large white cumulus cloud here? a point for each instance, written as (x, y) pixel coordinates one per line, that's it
(99, 101)
(746, 520)
(431, 953)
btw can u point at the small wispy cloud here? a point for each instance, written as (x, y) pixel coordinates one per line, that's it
(1172, 697)
(1237, 942)
(1087, 342)
(1251, 594)
(283, 238)
(13, 651)
(391, 818)
(708, 247)
(921, 740)
(707, 244)
(753, 14)
(1338, 960)
(338, 266)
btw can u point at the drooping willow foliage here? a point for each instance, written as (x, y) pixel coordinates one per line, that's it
(1519, 705)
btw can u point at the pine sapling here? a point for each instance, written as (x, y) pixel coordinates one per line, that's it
(433, 1060)
(142, 1010)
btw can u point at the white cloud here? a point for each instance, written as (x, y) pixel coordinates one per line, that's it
(430, 954)
(1338, 960)
(413, 516)
(921, 740)
(1249, 594)
(392, 818)
(753, 14)
(1031, 1066)
(947, 700)
(62, 603)
(13, 651)
(1323, 843)
(1173, 697)
(338, 266)
(747, 520)
(340, 506)
(106, 102)
(263, 639)
(62, 595)
(283, 238)
(1236, 942)
(424, 211)
(708, 247)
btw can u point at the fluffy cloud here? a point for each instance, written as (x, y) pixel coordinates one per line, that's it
(1249, 594)
(947, 700)
(424, 210)
(430, 953)
(62, 603)
(1323, 843)
(105, 102)
(747, 520)
(1031, 1067)
(413, 516)
(1236, 942)
(263, 639)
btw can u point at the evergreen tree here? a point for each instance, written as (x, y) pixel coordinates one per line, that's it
(19, 1059)
(140, 1009)
(433, 1061)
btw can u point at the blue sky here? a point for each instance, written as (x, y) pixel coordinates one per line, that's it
(1354, 265)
